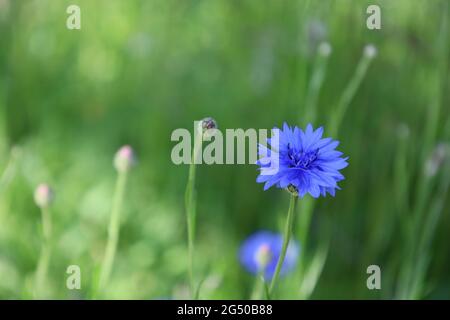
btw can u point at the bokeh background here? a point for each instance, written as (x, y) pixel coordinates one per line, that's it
(137, 70)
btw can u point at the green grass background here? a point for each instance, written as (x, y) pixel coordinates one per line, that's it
(137, 70)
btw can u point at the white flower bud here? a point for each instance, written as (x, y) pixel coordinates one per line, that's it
(370, 51)
(324, 49)
(43, 196)
(436, 159)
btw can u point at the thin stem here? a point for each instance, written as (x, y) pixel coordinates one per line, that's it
(44, 258)
(190, 218)
(8, 173)
(318, 76)
(349, 93)
(425, 184)
(428, 232)
(113, 230)
(191, 213)
(257, 287)
(438, 87)
(259, 284)
(286, 238)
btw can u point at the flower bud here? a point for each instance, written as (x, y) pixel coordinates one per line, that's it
(208, 124)
(324, 49)
(370, 51)
(263, 256)
(436, 159)
(124, 159)
(43, 196)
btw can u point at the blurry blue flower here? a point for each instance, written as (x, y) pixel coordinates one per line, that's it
(261, 250)
(306, 162)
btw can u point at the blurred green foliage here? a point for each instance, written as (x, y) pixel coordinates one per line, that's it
(137, 70)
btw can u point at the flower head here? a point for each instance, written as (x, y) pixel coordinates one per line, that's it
(43, 195)
(261, 250)
(306, 162)
(124, 159)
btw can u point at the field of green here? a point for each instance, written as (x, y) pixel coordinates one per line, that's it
(139, 69)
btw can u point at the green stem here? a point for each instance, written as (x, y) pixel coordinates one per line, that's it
(260, 284)
(428, 232)
(191, 213)
(113, 230)
(44, 258)
(438, 87)
(425, 184)
(257, 287)
(8, 173)
(318, 76)
(349, 93)
(190, 218)
(286, 238)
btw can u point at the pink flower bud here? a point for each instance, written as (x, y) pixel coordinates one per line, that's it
(263, 256)
(43, 196)
(124, 159)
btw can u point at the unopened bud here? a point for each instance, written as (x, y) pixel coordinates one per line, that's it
(324, 49)
(207, 125)
(124, 159)
(370, 51)
(436, 159)
(43, 196)
(263, 256)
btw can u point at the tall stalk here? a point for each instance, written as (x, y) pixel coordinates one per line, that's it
(190, 206)
(316, 82)
(351, 89)
(123, 161)
(286, 237)
(43, 197)
(113, 230)
(44, 257)
(407, 284)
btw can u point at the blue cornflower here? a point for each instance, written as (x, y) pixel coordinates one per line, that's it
(260, 253)
(304, 161)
